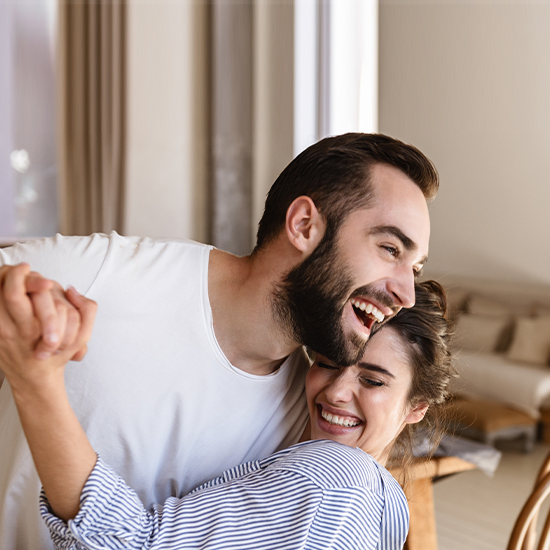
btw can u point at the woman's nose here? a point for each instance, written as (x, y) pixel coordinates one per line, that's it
(340, 390)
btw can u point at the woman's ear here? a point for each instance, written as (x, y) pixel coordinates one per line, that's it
(304, 226)
(417, 413)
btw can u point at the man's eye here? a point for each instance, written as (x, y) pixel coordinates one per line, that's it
(370, 382)
(392, 250)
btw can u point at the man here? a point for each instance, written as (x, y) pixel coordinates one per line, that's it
(197, 362)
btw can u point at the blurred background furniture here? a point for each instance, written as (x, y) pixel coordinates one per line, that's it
(524, 536)
(502, 347)
(419, 492)
(488, 422)
(453, 455)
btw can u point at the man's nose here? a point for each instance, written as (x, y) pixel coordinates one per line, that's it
(402, 288)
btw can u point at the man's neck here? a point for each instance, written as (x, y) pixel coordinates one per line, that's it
(240, 290)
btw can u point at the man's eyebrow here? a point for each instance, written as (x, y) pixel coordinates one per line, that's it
(407, 242)
(375, 368)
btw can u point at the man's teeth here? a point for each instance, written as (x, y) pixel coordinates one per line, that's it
(369, 309)
(333, 419)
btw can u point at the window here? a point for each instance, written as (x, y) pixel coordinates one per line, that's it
(28, 168)
(336, 69)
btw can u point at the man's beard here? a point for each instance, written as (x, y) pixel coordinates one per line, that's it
(310, 301)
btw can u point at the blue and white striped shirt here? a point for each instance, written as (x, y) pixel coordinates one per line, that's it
(313, 495)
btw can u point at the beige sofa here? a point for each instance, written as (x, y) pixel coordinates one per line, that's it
(502, 342)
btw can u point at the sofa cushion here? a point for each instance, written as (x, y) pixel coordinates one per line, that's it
(477, 304)
(480, 332)
(531, 342)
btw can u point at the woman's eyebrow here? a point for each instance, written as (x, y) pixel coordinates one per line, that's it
(376, 368)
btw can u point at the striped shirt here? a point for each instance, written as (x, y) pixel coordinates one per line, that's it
(313, 495)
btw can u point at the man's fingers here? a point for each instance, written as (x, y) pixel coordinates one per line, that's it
(44, 349)
(7, 327)
(46, 312)
(39, 311)
(37, 283)
(79, 355)
(71, 327)
(87, 309)
(18, 304)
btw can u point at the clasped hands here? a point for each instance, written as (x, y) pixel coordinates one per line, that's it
(42, 326)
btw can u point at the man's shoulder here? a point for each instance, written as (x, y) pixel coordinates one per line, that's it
(77, 260)
(89, 244)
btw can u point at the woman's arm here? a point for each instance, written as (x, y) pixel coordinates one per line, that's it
(61, 452)
(312, 496)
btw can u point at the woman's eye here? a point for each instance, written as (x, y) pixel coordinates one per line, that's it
(371, 382)
(326, 366)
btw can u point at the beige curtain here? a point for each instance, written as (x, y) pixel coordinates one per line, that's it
(92, 118)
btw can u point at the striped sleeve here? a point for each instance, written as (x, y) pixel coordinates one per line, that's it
(315, 495)
(266, 510)
(395, 521)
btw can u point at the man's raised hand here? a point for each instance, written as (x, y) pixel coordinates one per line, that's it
(40, 310)
(20, 330)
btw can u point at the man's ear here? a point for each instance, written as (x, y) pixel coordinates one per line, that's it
(304, 225)
(417, 413)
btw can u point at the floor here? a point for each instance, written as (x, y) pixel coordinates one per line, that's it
(475, 512)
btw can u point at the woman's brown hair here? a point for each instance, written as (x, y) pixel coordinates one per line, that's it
(426, 334)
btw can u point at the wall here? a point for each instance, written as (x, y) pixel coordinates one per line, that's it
(469, 84)
(273, 99)
(167, 120)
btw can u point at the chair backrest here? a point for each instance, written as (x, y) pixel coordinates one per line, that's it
(531, 535)
(526, 522)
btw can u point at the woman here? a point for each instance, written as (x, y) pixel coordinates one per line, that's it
(330, 491)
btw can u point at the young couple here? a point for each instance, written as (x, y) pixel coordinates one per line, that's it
(196, 364)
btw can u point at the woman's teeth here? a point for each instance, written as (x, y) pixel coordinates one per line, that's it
(333, 419)
(369, 309)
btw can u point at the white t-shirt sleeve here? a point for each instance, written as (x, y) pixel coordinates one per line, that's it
(72, 261)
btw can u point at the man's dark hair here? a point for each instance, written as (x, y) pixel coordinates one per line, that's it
(335, 174)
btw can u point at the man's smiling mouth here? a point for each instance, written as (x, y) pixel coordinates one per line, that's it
(366, 312)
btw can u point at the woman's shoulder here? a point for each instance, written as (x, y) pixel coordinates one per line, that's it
(330, 465)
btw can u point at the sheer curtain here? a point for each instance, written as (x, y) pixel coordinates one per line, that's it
(28, 166)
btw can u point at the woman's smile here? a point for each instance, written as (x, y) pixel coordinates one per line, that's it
(335, 420)
(364, 405)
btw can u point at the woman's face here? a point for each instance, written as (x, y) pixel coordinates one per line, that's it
(364, 405)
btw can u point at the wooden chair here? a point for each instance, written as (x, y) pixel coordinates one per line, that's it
(524, 534)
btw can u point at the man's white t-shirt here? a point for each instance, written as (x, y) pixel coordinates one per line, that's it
(155, 394)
